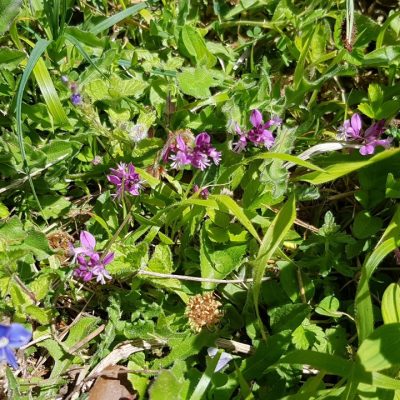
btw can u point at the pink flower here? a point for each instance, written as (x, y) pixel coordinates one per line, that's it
(91, 265)
(370, 139)
(126, 179)
(260, 135)
(200, 154)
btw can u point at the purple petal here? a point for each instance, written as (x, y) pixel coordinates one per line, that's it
(87, 240)
(202, 139)
(383, 142)
(180, 143)
(256, 118)
(114, 179)
(108, 258)
(18, 335)
(367, 149)
(356, 123)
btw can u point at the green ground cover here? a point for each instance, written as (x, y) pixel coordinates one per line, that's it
(198, 199)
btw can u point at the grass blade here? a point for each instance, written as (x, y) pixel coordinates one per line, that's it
(114, 19)
(272, 239)
(49, 92)
(37, 51)
(363, 302)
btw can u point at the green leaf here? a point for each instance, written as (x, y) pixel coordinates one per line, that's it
(366, 225)
(116, 18)
(79, 331)
(196, 82)
(9, 9)
(275, 234)
(37, 51)
(44, 317)
(37, 243)
(364, 314)
(391, 304)
(324, 362)
(226, 203)
(328, 306)
(288, 316)
(337, 170)
(192, 45)
(57, 150)
(161, 260)
(375, 94)
(115, 89)
(392, 187)
(166, 386)
(4, 212)
(381, 349)
(10, 58)
(50, 94)
(382, 57)
(54, 206)
(218, 261)
(205, 380)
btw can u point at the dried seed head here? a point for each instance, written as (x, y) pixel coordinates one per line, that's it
(60, 241)
(348, 42)
(203, 310)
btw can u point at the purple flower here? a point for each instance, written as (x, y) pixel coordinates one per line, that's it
(125, 178)
(182, 154)
(76, 99)
(203, 193)
(370, 139)
(200, 155)
(241, 144)
(352, 127)
(88, 243)
(203, 152)
(260, 134)
(12, 337)
(64, 79)
(91, 265)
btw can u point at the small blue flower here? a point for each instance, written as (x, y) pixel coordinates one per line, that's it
(12, 337)
(76, 99)
(224, 360)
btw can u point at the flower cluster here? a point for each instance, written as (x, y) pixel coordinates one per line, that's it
(125, 178)
(76, 97)
(260, 134)
(91, 264)
(12, 337)
(203, 311)
(200, 154)
(370, 138)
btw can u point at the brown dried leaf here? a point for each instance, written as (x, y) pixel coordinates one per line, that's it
(112, 384)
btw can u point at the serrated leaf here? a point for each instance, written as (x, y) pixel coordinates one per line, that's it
(218, 261)
(115, 89)
(196, 82)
